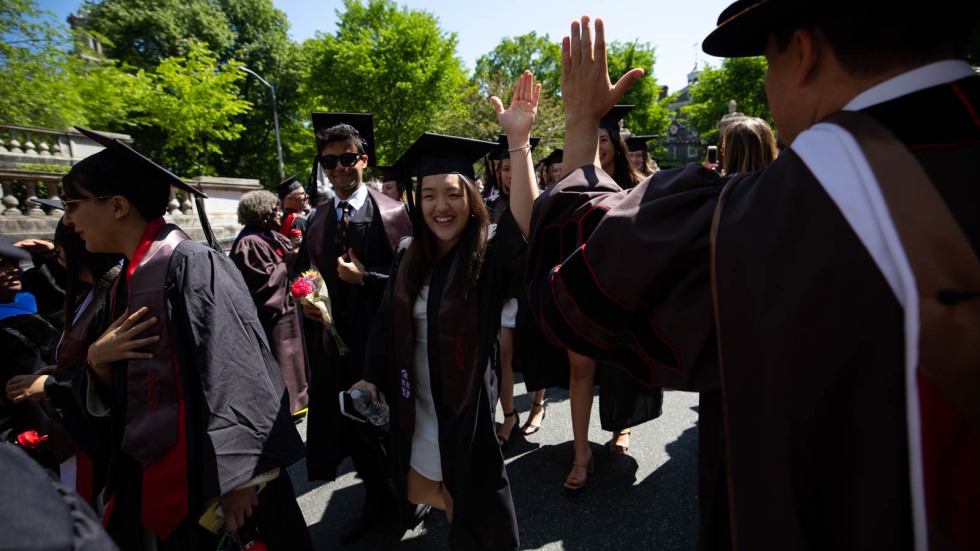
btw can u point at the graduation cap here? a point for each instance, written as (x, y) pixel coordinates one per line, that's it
(639, 143)
(439, 154)
(610, 121)
(50, 203)
(11, 253)
(556, 156)
(391, 172)
(288, 186)
(144, 176)
(144, 172)
(502, 150)
(363, 123)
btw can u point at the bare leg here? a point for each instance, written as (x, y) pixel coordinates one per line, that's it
(536, 415)
(507, 383)
(580, 389)
(423, 491)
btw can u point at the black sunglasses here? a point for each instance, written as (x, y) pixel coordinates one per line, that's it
(329, 162)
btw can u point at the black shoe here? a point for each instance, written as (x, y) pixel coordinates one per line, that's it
(418, 515)
(360, 524)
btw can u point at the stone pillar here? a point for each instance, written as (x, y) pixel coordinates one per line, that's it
(173, 207)
(53, 195)
(9, 201)
(30, 207)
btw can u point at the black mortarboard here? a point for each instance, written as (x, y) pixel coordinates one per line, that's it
(555, 156)
(143, 171)
(362, 122)
(439, 154)
(610, 121)
(288, 186)
(502, 149)
(639, 143)
(9, 252)
(390, 173)
(51, 203)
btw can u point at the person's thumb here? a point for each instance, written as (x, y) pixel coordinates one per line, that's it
(498, 105)
(351, 255)
(623, 84)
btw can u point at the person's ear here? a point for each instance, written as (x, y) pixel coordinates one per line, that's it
(364, 159)
(120, 206)
(808, 51)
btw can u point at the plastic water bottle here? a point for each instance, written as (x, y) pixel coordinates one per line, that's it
(375, 412)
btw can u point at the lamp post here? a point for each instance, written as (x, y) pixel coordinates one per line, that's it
(275, 117)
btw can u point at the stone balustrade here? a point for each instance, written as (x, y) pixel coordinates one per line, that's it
(33, 161)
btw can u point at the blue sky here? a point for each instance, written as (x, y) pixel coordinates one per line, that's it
(674, 28)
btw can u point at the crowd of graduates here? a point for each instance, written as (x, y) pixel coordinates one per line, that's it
(159, 379)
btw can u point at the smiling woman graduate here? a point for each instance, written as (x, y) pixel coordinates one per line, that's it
(190, 401)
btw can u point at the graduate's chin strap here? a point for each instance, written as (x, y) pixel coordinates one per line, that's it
(209, 237)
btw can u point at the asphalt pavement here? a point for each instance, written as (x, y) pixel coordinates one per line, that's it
(646, 499)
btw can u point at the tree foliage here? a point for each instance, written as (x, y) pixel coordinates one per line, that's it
(650, 114)
(739, 78)
(393, 62)
(194, 101)
(142, 33)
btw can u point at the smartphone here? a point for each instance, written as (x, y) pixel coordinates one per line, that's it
(713, 154)
(347, 408)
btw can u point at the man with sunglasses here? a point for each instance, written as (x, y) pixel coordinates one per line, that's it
(350, 240)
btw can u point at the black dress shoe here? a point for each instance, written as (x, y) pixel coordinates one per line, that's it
(360, 523)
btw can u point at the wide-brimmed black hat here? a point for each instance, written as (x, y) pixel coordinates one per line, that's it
(743, 27)
(51, 203)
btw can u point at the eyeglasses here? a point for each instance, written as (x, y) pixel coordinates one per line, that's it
(70, 205)
(329, 162)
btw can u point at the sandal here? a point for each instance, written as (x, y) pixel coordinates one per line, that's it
(503, 440)
(617, 449)
(530, 428)
(574, 483)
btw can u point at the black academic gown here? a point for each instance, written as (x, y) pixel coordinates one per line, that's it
(542, 364)
(237, 419)
(813, 401)
(464, 388)
(331, 437)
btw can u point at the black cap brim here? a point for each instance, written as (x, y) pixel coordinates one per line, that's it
(362, 122)
(9, 252)
(47, 202)
(743, 28)
(146, 172)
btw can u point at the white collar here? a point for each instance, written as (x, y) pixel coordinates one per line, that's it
(356, 200)
(927, 76)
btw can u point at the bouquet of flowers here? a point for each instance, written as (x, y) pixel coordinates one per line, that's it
(309, 288)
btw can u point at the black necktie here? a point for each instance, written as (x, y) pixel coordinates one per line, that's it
(342, 228)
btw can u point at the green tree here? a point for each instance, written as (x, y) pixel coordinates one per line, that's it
(142, 33)
(495, 74)
(192, 101)
(391, 61)
(650, 114)
(263, 45)
(739, 78)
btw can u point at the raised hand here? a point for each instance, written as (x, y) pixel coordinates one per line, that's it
(587, 93)
(516, 121)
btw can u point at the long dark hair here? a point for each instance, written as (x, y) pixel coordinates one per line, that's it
(625, 173)
(421, 255)
(76, 258)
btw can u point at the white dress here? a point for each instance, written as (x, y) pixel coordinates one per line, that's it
(425, 442)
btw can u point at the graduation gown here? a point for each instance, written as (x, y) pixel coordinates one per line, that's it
(227, 417)
(542, 363)
(815, 447)
(461, 336)
(259, 257)
(373, 232)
